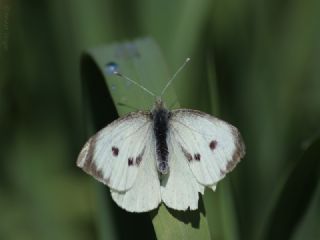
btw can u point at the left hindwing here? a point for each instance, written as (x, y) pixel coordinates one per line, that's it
(211, 147)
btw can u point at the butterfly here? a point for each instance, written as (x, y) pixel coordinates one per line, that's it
(169, 156)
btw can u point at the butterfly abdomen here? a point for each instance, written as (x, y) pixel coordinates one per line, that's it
(160, 127)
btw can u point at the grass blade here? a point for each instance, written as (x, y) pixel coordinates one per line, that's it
(140, 60)
(295, 196)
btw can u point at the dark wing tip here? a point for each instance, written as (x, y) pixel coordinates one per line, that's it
(86, 154)
(83, 155)
(239, 152)
(85, 161)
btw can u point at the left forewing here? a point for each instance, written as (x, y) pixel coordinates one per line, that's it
(113, 155)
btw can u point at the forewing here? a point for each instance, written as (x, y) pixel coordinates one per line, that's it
(211, 147)
(144, 195)
(113, 155)
(179, 188)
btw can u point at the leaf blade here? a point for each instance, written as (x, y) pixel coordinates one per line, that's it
(142, 61)
(301, 185)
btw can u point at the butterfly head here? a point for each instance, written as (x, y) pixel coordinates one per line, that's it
(159, 103)
(160, 109)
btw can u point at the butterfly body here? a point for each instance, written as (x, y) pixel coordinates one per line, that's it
(160, 116)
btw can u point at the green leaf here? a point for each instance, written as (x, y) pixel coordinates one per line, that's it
(142, 61)
(171, 224)
(295, 196)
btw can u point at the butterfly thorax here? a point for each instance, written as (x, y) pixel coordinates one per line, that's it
(160, 117)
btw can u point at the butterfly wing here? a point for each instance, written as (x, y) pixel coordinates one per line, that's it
(114, 154)
(211, 147)
(144, 195)
(179, 188)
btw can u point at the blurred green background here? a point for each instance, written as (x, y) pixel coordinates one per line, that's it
(261, 58)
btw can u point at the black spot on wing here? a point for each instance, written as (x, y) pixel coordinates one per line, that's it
(213, 144)
(115, 151)
(130, 161)
(197, 156)
(135, 161)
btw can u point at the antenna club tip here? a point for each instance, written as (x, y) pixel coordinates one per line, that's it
(188, 59)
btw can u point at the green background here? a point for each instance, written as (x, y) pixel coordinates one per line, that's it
(254, 64)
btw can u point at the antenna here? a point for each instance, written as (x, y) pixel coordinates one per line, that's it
(174, 75)
(134, 82)
(148, 91)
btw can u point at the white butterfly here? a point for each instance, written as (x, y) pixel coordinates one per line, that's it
(162, 156)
